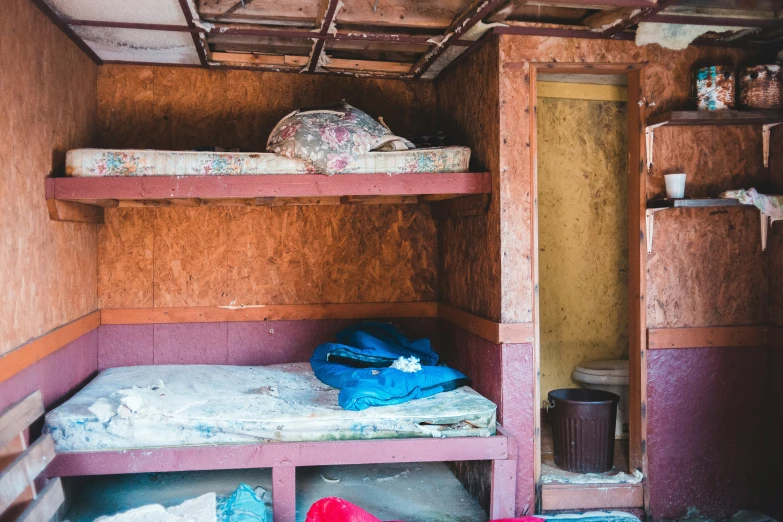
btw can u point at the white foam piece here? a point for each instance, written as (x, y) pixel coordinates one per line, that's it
(167, 12)
(139, 45)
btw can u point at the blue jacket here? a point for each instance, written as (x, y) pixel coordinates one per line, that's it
(358, 363)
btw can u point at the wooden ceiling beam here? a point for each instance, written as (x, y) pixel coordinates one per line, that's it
(326, 14)
(231, 10)
(465, 22)
(636, 16)
(200, 47)
(590, 4)
(666, 18)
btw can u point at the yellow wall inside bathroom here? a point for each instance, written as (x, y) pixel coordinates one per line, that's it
(582, 228)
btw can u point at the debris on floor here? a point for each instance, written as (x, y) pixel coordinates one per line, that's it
(693, 515)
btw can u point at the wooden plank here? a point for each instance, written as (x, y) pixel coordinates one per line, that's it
(260, 59)
(582, 91)
(294, 185)
(725, 117)
(498, 333)
(17, 417)
(21, 473)
(367, 65)
(17, 360)
(708, 337)
(209, 314)
(46, 504)
(555, 497)
(269, 455)
(73, 211)
(637, 278)
(8, 454)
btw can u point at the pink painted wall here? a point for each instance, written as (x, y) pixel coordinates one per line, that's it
(504, 373)
(240, 343)
(706, 442)
(58, 376)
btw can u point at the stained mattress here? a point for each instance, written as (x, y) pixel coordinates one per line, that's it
(106, 162)
(190, 405)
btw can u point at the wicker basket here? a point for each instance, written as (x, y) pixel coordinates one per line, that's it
(715, 88)
(760, 87)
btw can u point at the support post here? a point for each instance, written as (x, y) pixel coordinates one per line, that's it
(503, 489)
(284, 493)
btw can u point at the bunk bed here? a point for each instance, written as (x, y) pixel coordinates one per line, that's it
(206, 417)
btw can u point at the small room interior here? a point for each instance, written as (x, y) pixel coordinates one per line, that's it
(183, 271)
(582, 180)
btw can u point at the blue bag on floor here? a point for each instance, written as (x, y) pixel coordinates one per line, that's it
(358, 363)
(243, 505)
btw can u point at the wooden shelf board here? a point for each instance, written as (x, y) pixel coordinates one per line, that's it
(724, 117)
(556, 497)
(694, 203)
(251, 187)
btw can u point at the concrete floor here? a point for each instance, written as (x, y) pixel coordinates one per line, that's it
(410, 492)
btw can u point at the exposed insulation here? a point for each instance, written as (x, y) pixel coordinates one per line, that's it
(166, 12)
(667, 83)
(469, 247)
(139, 45)
(47, 106)
(583, 235)
(267, 255)
(676, 36)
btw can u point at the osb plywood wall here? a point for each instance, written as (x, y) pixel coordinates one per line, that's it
(469, 247)
(244, 256)
(47, 105)
(689, 258)
(266, 255)
(583, 235)
(774, 252)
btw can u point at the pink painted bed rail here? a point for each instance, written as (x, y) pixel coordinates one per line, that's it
(284, 457)
(278, 185)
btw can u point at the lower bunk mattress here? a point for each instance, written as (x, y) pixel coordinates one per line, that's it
(141, 407)
(126, 162)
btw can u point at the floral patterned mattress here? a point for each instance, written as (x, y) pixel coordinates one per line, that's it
(107, 162)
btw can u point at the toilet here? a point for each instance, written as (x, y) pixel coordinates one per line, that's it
(611, 376)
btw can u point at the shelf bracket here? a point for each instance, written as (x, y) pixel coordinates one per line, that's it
(765, 134)
(649, 137)
(650, 215)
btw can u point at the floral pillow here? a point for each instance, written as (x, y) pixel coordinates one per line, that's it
(331, 140)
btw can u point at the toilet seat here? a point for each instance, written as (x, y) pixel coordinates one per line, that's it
(603, 372)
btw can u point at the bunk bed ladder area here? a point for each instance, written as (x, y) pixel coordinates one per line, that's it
(21, 465)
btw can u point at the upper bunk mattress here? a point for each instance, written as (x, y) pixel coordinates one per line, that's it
(141, 407)
(106, 162)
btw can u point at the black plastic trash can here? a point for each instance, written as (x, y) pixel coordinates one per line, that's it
(583, 426)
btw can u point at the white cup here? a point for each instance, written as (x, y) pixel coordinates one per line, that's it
(675, 185)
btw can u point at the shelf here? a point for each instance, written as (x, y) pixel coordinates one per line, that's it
(766, 118)
(725, 117)
(78, 198)
(657, 205)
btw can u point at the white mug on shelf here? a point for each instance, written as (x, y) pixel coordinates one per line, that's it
(675, 186)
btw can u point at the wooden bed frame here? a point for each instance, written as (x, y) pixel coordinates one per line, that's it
(285, 457)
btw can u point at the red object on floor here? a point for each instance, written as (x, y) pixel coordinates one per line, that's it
(333, 509)
(520, 519)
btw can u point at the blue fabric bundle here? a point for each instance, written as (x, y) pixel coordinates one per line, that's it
(359, 364)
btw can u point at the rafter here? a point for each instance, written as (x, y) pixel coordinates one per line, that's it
(326, 15)
(638, 16)
(200, 47)
(464, 23)
(234, 8)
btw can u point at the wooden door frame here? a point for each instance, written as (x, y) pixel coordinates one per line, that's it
(637, 257)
